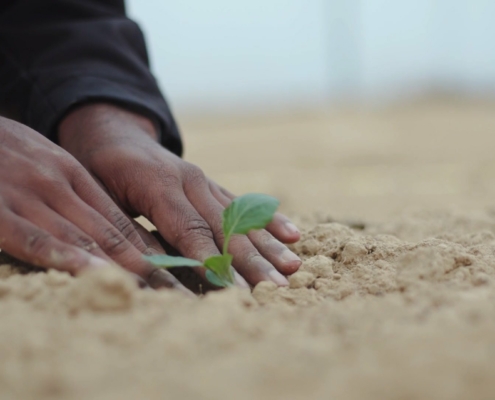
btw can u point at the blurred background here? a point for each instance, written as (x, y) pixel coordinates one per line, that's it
(350, 108)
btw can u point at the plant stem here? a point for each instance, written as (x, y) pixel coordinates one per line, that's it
(225, 249)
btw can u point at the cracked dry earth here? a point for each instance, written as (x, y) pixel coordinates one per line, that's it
(399, 310)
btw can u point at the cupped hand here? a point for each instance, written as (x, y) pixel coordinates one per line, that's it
(53, 214)
(120, 150)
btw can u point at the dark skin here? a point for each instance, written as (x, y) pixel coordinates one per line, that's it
(70, 207)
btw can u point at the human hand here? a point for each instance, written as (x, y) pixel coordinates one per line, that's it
(54, 215)
(120, 150)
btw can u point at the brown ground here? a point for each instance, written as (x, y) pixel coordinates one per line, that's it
(404, 309)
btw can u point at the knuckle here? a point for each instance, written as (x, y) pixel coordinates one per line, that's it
(226, 193)
(124, 225)
(254, 259)
(167, 176)
(150, 251)
(218, 233)
(265, 239)
(86, 243)
(71, 169)
(37, 244)
(50, 180)
(194, 233)
(194, 174)
(170, 180)
(77, 238)
(67, 164)
(113, 242)
(75, 171)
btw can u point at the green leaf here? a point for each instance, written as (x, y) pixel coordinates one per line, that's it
(251, 211)
(221, 266)
(213, 278)
(165, 261)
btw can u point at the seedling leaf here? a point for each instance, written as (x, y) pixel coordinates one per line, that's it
(245, 213)
(213, 278)
(166, 261)
(221, 266)
(251, 211)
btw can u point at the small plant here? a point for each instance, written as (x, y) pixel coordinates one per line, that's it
(245, 213)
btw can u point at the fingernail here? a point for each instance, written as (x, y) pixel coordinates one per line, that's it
(98, 263)
(278, 278)
(289, 257)
(160, 278)
(240, 281)
(140, 281)
(291, 228)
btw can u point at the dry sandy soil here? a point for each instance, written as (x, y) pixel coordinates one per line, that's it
(395, 298)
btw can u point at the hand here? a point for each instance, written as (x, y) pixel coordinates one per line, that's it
(120, 150)
(54, 215)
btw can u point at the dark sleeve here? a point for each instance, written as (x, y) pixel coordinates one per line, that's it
(55, 54)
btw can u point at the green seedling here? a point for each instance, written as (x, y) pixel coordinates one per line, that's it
(245, 213)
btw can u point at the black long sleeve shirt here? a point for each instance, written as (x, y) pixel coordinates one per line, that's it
(55, 54)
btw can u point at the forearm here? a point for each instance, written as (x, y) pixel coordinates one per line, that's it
(57, 55)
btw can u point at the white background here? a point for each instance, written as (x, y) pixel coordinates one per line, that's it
(227, 55)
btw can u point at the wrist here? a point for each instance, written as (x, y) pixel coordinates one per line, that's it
(101, 124)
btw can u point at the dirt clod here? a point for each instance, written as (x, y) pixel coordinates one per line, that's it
(301, 279)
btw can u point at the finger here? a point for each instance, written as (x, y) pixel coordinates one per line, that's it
(45, 218)
(155, 277)
(273, 250)
(150, 241)
(89, 191)
(159, 278)
(281, 227)
(116, 246)
(180, 224)
(145, 242)
(91, 209)
(25, 241)
(113, 242)
(147, 238)
(247, 259)
(110, 239)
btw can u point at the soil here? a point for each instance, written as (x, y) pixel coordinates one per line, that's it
(400, 305)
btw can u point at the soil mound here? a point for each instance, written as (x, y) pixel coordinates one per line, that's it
(404, 309)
